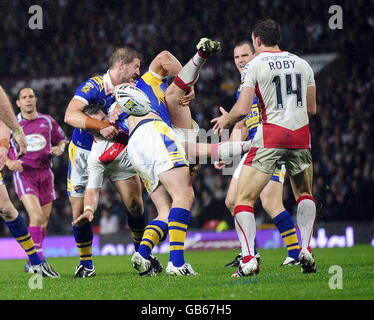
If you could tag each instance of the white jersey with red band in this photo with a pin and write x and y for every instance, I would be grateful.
(281, 80)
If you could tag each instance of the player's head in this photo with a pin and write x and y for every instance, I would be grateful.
(266, 33)
(243, 53)
(125, 61)
(94, 110)
(26, 100)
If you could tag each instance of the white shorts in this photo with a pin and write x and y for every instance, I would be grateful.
(108, 159)
(77, 171)
(153, 149)
(189, 135)
(277, 176)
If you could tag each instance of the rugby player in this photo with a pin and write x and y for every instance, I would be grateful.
(271, 196)
(124, 65)
(285, 87)
(160, 159)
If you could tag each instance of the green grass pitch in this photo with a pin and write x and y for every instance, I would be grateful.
(116, 280)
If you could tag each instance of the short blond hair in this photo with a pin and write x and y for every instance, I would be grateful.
(126, 54)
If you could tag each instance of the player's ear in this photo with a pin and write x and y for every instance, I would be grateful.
(18, 103)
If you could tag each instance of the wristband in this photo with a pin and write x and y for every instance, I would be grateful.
(95, 124)
(62, 148)
(88, 208)
(4, 143)
(18, 131)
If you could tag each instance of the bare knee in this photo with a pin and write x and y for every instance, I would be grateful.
(7, 211)
(135, 207)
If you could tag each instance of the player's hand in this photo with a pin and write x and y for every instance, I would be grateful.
(219, 165)
(3, 157)
(109, 133)
(21, 143)
(14, 165)
(114, 115)
(185, 101)
(83, 218)
(221, 122)
(56, 151)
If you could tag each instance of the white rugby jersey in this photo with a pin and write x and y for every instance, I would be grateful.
(281, 80)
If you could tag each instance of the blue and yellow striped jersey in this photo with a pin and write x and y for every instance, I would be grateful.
(95, 90)
(252, 120)
(154, 87)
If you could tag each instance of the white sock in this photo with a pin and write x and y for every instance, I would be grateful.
(245, 226)
(190, 72)
(305, 216)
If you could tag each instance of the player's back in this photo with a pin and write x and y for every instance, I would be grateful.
(154, 87)
(281, 80)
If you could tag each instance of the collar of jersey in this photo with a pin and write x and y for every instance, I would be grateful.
(108, 85)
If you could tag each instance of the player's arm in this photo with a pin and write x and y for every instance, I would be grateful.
(4, 144)
(239, 132)
(14, 165)
(92, 194)
(75, 117)
(9, 118)
(311, 100)
(238, 112)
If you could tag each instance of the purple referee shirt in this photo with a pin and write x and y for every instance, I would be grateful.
(42, 133)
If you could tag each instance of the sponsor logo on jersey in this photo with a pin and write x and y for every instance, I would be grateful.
(35, 142)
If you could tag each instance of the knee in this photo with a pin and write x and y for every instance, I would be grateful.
(7, 211)
(135, 207)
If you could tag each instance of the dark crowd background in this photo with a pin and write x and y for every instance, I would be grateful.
(78, 37)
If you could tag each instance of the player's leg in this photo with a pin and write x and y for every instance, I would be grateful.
(155, 232)
(272, 201)
(177, 182)
(77, 180)
(186, 78)
(18, 229)
(131, 193)
(230, 204)
(250, 184)
(301, 177)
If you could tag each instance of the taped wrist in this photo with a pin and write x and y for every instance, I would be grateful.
(95, 124)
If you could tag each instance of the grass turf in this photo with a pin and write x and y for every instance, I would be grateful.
(116, 280)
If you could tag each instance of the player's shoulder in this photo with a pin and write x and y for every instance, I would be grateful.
(95, 83)
(300, 60)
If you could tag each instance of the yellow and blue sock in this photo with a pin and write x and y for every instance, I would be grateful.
(83, 238)
(179, 219)
(137, 225)
(154, 232)
(19, 231)
(287, 229)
